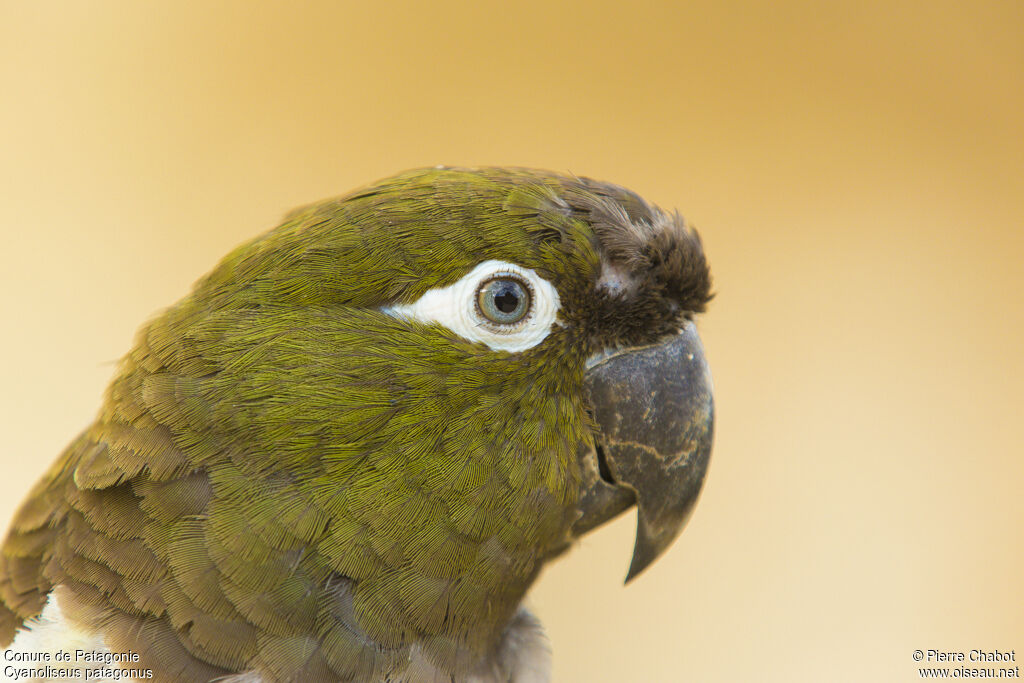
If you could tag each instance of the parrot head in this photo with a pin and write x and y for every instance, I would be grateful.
(347, 454)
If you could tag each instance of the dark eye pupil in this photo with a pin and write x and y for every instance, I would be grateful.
(506, 300)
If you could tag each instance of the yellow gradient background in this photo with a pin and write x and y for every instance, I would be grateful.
(856, 170)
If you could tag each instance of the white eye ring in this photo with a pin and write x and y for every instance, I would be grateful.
(456, 307)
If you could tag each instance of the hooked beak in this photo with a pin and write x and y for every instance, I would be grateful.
(654, 409)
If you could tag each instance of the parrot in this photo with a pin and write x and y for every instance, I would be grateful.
(349, 451)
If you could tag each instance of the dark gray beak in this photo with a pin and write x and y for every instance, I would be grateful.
(654, 408)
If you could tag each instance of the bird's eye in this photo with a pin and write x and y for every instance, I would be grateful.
(504, 299)
(497, 303)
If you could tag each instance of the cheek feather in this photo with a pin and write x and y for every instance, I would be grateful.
(455, 307)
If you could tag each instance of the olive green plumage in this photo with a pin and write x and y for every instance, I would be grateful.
(285, 478)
